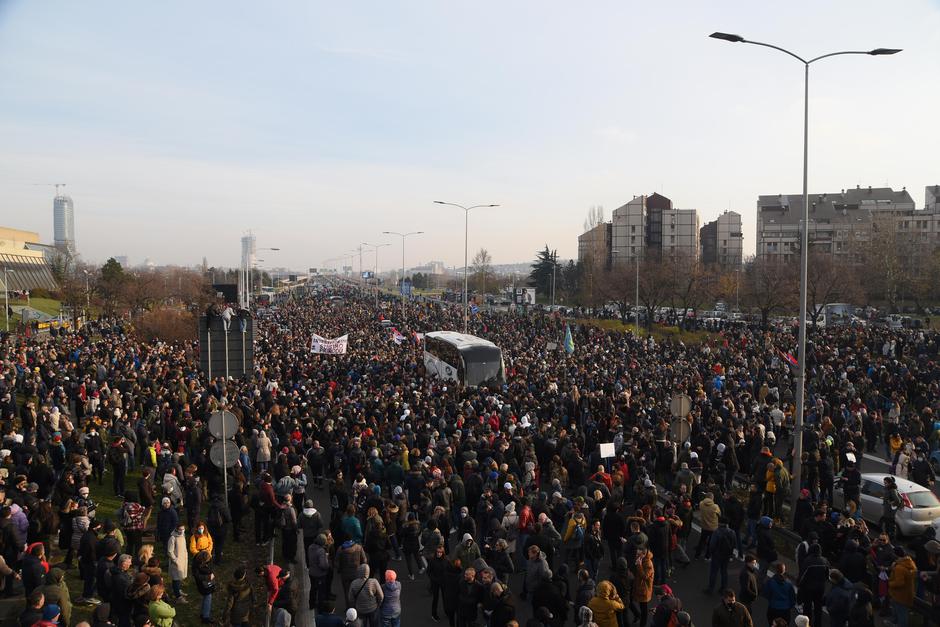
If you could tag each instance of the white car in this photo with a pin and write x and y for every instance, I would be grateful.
(919, 506)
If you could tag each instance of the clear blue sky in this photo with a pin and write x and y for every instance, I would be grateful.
(180, 125)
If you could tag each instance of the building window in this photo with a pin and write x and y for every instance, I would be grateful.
(633, 229)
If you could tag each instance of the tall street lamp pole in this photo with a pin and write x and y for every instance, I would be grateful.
(375, 272)
(466, 240)
(804, 242)
(402, 285)
(248, 272)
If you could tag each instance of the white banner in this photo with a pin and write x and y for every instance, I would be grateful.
(336, 346)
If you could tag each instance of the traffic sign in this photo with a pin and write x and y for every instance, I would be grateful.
(224, 453)
(680, 406)
(223, 424)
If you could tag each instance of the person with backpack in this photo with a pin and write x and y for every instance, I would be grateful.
(574, 537)
(721, 546)
(782, 485)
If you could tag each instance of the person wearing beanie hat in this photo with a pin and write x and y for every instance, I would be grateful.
(352, 618)
(391, 603)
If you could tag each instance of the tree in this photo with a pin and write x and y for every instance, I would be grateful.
(657, 282)
(482, 262)
(617, 286)
(689, 284)
(828, 281)
(141, 291)
(768, 286)
(111, 284)
(595, 216)
(570, 277)
(542, 269)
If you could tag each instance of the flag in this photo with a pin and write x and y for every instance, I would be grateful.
(397, 336)
(569, 341)
(474, 309)
(790, 359)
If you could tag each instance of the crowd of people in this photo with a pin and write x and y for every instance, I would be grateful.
(492, 504)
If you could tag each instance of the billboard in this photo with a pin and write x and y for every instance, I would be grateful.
(368, 274)
(406, 287)
(226, 291)
(525, 296)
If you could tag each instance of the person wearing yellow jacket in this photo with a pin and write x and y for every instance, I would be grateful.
(201, 540)
(606, 604)
(901, 587)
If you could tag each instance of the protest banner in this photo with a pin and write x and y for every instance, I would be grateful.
(336, 346)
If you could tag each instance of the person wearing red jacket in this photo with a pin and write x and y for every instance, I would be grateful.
(274, 578)
(526, 528)
(270, 506)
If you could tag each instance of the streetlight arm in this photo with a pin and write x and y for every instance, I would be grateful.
(835, 54)
(783, 50)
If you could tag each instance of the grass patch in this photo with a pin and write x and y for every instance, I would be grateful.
(235, 554)
(660, 333)
(45, 305)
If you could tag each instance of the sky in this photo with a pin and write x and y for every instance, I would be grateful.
(179, 126)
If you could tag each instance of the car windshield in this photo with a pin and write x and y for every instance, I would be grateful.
(923, 499)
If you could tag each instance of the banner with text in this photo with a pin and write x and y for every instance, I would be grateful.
(336, 346)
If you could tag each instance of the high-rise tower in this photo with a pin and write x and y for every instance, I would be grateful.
(63, 214)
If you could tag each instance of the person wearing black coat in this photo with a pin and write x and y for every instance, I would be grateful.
(613, 528)
(550, 594)
(88, 559)
(733, 511)
(450, 590)
(853, 563)
(812, 583)
(33, 571)
(749, 588)
(205, 583)
(468, 598)
(504, 609)
(121, 605)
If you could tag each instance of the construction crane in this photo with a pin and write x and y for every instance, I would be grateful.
(56, 185)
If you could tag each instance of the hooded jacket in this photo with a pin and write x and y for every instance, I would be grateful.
(903, 581)
(241, 599)
(179, 558)
(605, 605)
(643, 581)
(709, 513)
(318, 562)
(365, 593)
(536, 571)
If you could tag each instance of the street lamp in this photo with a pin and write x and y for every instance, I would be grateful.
(402, 287)
(6, 298)
(375, 272)
(804, 240)
(466, 239)
(248, 272)
(87, 296)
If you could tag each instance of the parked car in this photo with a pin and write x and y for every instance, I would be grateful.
(919, 508)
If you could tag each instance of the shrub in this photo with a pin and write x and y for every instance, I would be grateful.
(167, 324)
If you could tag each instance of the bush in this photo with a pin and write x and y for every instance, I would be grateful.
(167, 324)
(39, 292)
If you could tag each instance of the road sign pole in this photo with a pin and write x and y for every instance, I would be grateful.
(225, 458)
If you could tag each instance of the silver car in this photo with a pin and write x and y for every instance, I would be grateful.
(919, 506)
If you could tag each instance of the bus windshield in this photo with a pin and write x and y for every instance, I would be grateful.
(482, 365)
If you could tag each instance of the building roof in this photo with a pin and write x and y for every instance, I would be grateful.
(788, 208)
(26, 272)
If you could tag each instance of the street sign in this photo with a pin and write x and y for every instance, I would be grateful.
(223, 424)
(224, 453)
(680, 406)
(680, 429)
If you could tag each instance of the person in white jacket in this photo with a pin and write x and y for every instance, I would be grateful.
(179, 559)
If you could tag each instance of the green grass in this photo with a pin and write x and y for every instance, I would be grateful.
(660, 333)
(45, 305)
(187, 613)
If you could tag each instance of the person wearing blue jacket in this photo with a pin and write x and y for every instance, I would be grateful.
(780, 593)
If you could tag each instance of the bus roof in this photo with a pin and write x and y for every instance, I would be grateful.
(459, 340)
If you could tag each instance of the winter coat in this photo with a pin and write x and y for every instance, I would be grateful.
(839, 599)
(780, 593)
(199, 542)
(903, 581)
(737, 616)
(605, 605)
(643, 581)
(391, 604)
(815, 574)
(536, 570)
(57, 592)
(162, 613)
(178, 556)
(318, 562)
(349, 559)
(709, 513)
(167, 520)
(241, 599)
(749, 589)
(365, 592)
(263, 443)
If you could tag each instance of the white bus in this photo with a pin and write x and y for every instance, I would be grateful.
(466, 359)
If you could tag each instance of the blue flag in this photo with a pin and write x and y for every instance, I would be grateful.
(569, 341)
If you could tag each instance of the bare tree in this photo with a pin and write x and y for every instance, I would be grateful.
(827, 281)
(617, 286)
(595, 216)
(768, 287)
(689, 283)
(482, 262)
(657, 282)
